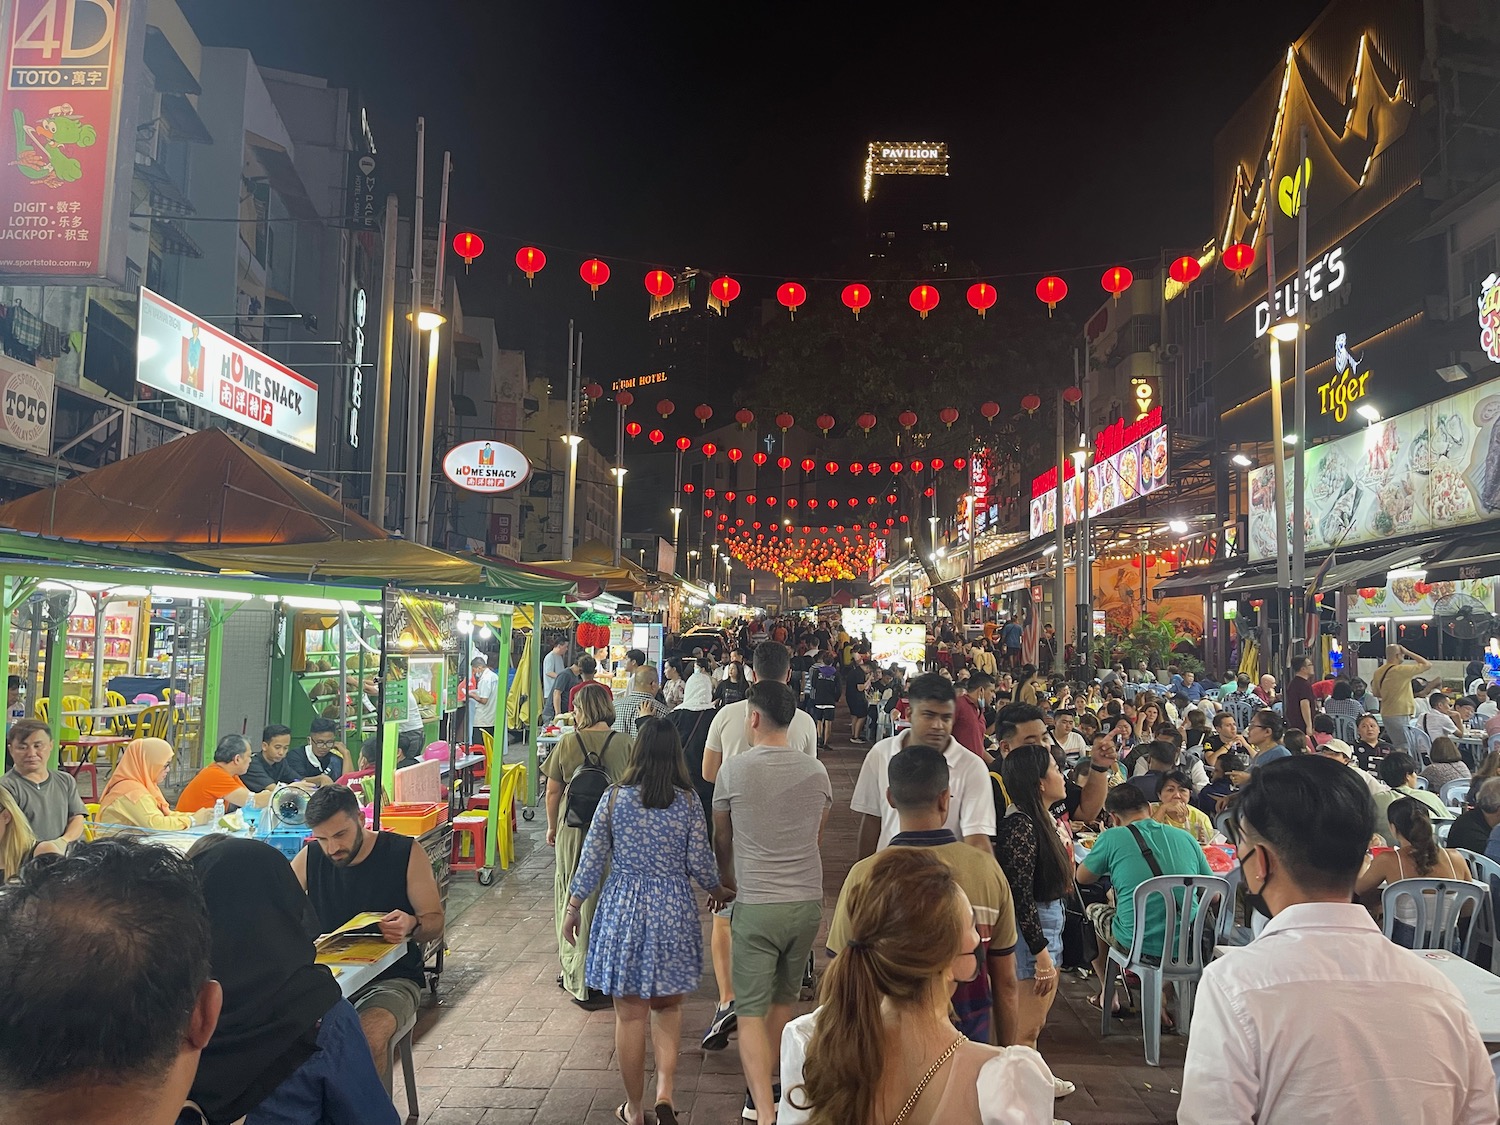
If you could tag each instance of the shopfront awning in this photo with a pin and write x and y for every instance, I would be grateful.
(1195, 580)
(1370, 568)
(1249, 579)
(1019, 555)
(385, 560)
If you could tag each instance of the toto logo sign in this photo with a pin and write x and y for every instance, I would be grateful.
(486, 466)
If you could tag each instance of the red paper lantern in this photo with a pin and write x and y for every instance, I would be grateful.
(874, 467)
(530, 260)
(830, 467)
(1135, 561)
(856, 468)
(684, 444)
(1116, 280)
(729, 497)
(593, 390)
(1150, 561)
(759, 458)
(907, 418)
(785, 421)
(771, 501)
(924, 298)
(1031, 403)
(833, 503)
(792, 296)
(744, 417)
(990, 410)
(981, 297)
(959, 462)
(624, 398)
(1185, 270)
(897, 466)
(595, 272)
(659, 283)
(750, 498)
(725, 289)
(865, 422)
(813, 503)
(808, 464)
(688, 486)
(468, 246)
(1051, 290)
(928, 491)
(783, 462)
(633, 429)
(735, 455)
(825, 423)
(856, 297)
(949, 415)
(890, 498)
(657, 437)
(710, 493)
(791, 502)
(1239, 256)
(1072, 396)
(937, 463)
(709, 449)
(916, 466)
(703, 412)
(665, 408)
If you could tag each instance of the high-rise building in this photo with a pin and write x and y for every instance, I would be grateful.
(905, 204)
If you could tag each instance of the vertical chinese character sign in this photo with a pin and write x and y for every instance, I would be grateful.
(62, 211)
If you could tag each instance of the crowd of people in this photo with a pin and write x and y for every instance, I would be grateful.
(1033, 806)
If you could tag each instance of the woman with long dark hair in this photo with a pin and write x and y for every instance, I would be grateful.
(646, 945)
(1029, 846)
(882, 1046)
(1418, 855)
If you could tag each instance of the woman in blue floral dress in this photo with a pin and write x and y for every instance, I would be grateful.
(646, 942)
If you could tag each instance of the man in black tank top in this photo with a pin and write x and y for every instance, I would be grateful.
(351, 871)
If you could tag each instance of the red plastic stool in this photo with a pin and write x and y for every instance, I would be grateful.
(468, 829)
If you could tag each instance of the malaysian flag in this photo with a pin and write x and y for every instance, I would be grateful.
(1031, 630)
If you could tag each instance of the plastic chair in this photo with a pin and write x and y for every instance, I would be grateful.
(1484, 870)
(119, 724)
(400, 1044)
(152, 722)
(1419, 744)
(1241, 711)
(1440, 906)
(1440, 830)
(1345, 727)
(1181, 963)
(82, 723)
(39, 709)
(1453, 792)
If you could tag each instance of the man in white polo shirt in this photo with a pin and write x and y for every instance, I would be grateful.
(971, 807)
(727, 739)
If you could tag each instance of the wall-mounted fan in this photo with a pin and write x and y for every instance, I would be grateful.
(1464, 617)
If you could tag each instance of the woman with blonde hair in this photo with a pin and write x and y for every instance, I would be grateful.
(882, 1047)
(16, 838)
(133, 795)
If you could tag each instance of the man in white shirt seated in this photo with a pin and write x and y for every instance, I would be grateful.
(1311, 996)
(1489, 707)
(1438, 721)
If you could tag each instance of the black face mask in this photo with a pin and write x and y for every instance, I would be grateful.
(1255, 901)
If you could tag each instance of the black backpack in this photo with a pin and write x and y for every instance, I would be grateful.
(586, 788)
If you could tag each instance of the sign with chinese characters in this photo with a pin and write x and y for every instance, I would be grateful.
(357, 368)
(1130, 461)
(486, 466)
(198, 363)
(62, 202)
(1430, 469)
(26, 420)
(1489, 317)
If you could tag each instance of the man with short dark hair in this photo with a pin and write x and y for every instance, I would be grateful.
(1300, 706)
(104, 966)
(268, 766)
(48, 798)
(223, 780)
(561, 694)
(770, 805)
(1264, 735)
(350, 871)
(1438, 720)
(587, 667)
(918, 791)
(968, 715)
(971, 812)
(1311, 996)
(553, 665)
(1172, 755)
(324, 759)
(484, 697)
(1474, 828)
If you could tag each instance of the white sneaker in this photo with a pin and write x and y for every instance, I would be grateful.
(1061, 1087)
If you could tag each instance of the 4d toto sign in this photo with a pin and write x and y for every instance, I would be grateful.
(486, 466)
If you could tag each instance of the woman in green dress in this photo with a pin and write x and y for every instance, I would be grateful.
(591, 742)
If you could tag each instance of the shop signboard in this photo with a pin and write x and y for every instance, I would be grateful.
(1489, 317)
(905, 645)
(190, 359)
(1130, 461)
(1412, 596)
(28, 396)
(396, 671)
(490, 467)
(65, 83)
(859, 621)
(1430, 469)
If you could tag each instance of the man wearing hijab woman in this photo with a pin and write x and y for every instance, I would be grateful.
(289, 1049)
(133, 795)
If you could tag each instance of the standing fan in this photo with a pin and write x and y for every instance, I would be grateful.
(1464, 617)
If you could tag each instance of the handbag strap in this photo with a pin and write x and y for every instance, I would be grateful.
(1140, 838)
(928, 1077)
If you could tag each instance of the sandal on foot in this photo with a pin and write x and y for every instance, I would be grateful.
(665, 1114)
(622, 1112)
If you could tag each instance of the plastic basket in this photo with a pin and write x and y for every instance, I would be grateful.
(412, 820)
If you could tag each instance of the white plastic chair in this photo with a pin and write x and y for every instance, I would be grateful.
(1419, 744)
(1453, 792)
(1440, 905)
(1345, 727)
(1440, 830)
(1241, 711)
(1181, 963)
(1486, 930)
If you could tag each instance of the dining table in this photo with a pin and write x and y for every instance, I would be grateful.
(1479, 986)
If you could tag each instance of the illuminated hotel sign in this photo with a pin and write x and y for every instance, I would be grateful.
(637, 381)
(1130, 461)
(1324, 276)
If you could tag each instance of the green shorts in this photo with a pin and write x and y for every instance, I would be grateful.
(396, 995)
(771, 944)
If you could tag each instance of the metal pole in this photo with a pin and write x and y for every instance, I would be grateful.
(414, 355)
(572, 440)
(1059, 555)
(381, 451)
(1295, 628)
(1084, 577)
(619, 475)
(1278, 434)
(429, 402)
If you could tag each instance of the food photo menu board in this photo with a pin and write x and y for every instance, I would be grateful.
(1130, 461)
(1430, 469)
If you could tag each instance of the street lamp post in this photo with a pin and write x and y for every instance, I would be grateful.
(619, 474)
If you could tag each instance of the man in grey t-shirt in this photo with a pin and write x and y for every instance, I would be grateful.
(48, 798)
(770, 805)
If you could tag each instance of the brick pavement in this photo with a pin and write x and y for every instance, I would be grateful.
(502, 1045)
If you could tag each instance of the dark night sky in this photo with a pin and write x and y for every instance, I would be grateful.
(731, 136)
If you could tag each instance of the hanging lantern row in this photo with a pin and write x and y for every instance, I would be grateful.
(866, 421)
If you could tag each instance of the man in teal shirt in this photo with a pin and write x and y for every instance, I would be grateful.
(1118, 855)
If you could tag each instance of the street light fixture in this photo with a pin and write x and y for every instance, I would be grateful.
(1242, 461)
(1178, 527)
(1367, 412)
(1286, 329)
(427, 320)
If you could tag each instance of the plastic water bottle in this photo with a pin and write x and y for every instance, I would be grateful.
(218, 812)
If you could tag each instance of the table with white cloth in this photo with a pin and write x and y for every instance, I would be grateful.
(1480, 988)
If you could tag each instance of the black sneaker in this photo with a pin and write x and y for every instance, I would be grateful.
(724, 1021)
(749, 1113)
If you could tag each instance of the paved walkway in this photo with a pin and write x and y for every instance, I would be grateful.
(503, 1044)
